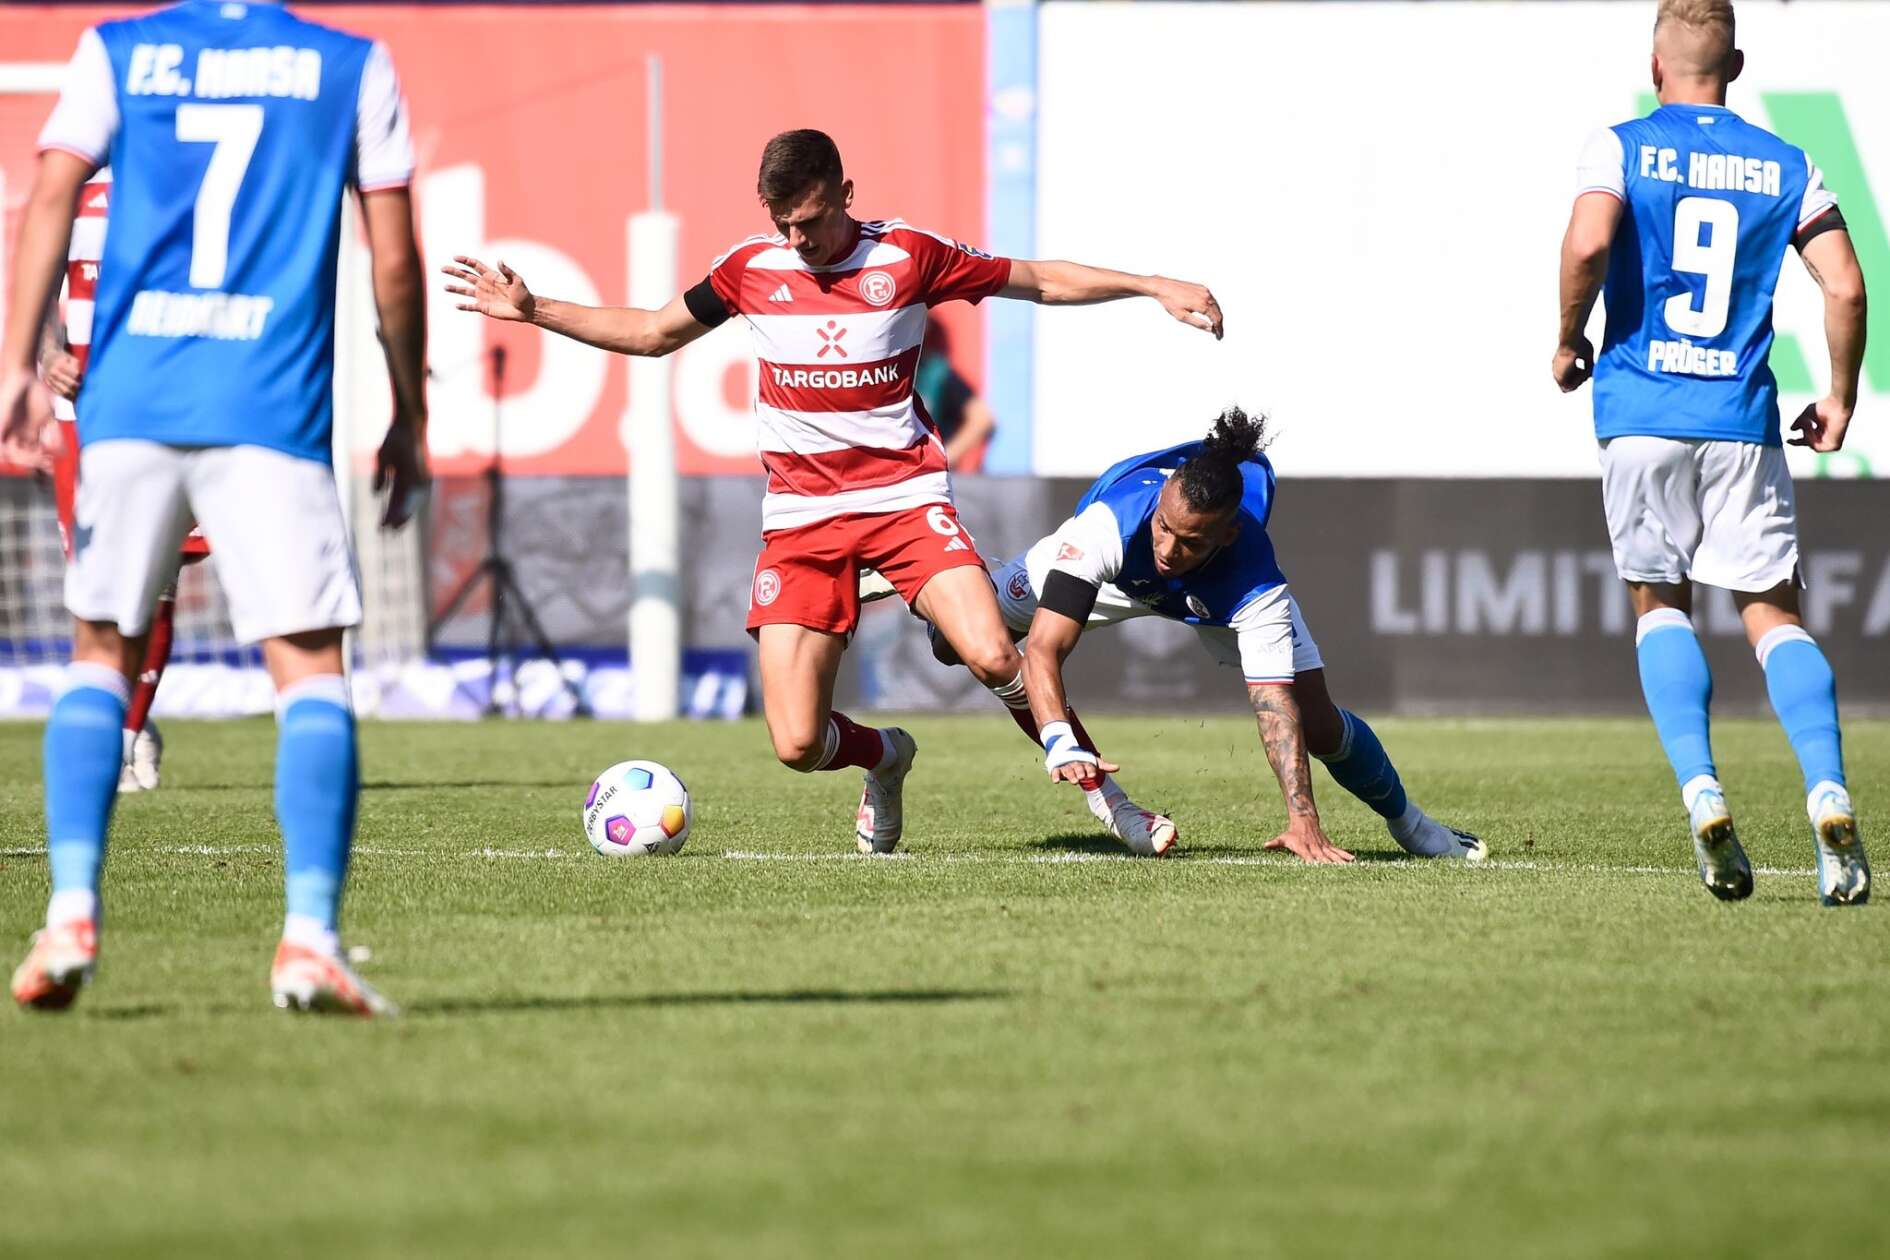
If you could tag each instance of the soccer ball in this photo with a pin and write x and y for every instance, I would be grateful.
(637, 809)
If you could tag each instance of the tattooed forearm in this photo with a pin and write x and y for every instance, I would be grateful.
(1278, 715)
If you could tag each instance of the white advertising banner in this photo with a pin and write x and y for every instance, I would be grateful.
(1377, 193)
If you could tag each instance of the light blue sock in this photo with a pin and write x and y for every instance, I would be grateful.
(1679, 690)
(84, 749)
(316, 788)
(1804, 695)
(1361, 767)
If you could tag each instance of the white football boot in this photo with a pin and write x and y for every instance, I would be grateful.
(1441, 840)
(1145, 832)
(310, 981)
(1723, 865)
(60, 963)
(1843, 870)
(1420, 835)
(140, 772)
(873, 587)
(881, 817)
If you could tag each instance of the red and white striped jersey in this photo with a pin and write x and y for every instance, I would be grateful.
(840, 429)
(82, 261)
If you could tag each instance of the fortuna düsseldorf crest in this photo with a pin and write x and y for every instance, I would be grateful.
(877, 287)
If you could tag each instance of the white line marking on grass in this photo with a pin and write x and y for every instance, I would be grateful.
(744, 855)
(999, 859)
(1068, 859)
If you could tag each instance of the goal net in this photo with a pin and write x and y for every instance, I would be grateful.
(211, 674)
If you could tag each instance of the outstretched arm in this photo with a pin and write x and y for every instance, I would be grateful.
(499, 293)
(1278, 715)
(1585, 245)
(1073, 284)
(1053, 636)
(1832, 262)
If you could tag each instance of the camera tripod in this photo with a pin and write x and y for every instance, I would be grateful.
(508, 597)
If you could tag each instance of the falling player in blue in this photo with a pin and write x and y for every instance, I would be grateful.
(1181, 533)
(233, 131)
(1688, 214)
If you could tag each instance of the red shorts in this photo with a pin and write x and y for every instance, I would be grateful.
(66, 496)
(810, 576)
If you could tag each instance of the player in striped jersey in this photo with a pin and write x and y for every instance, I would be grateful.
(856, 474)
(66, 345)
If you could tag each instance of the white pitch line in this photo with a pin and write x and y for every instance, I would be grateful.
(744, 855)
(1068, 859)
(1006, 859)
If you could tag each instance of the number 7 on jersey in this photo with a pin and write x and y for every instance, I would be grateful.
(234, 129)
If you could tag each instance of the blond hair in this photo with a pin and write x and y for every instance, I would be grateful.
(1704, 38)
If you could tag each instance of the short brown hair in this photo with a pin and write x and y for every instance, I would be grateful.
(794, 162)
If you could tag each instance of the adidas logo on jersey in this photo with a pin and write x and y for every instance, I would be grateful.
(957, 544)
(781, 295)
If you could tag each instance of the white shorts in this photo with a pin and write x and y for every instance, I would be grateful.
(1717, 512)
(1020, 583)
(274, 522)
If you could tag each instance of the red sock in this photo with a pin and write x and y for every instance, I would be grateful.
(156, 656)
(1026, 722)
(1017, 703)
(855, 745)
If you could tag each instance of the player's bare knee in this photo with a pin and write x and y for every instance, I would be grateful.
(799, 750)
(1762, 612)
(100, 643)
(994, 663)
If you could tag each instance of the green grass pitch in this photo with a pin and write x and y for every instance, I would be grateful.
(1008, 1042)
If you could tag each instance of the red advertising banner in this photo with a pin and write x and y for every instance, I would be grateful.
(530, 123)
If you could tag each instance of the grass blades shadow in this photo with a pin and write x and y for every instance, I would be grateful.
(1090, 842)
(735, 997)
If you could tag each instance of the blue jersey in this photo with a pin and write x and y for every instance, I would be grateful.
(1218, 591)
(1710, 204)
(232, 134)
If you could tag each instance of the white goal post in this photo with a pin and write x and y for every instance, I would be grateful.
(653, 484)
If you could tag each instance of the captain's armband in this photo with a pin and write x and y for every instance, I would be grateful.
(1069, 595)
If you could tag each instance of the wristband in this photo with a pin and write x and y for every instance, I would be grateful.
(1060, 746)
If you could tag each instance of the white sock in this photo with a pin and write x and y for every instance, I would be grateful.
(829, 745)
(887, 757)
(1012, 693)
(131, 740)
(301, 929)
(71, 905)
(1107, 794)
(1691, 789)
